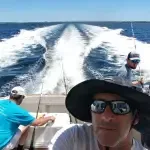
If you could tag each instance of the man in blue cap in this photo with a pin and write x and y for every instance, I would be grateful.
(126, 71)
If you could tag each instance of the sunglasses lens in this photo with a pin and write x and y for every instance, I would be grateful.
(98, 106)
(136, 61)
(120, 107)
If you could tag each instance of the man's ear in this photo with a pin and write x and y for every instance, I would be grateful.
(136, 119)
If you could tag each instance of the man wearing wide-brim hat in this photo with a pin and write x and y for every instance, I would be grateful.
(113, 109)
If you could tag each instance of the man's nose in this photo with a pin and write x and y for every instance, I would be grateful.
(107, 115)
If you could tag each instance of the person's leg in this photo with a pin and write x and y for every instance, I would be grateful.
(14, 141)
(19, 138)
(24, 134)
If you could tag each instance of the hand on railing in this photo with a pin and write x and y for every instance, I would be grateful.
(51, 118)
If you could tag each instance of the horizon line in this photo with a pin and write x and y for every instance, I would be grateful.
(65, 21)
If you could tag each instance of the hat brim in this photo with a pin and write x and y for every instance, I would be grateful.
(135, 58)
(80, 98)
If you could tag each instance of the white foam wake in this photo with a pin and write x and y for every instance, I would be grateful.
(118, 45)
(11, 48)
(67, 62)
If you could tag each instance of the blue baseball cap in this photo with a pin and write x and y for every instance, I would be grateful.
(133, 56)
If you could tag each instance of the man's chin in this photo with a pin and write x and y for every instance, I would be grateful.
(132, 67)
(109, 142)
(108, 137)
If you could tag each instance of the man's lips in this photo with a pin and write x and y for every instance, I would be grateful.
(106, 128)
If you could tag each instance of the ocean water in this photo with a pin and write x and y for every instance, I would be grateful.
(41, 56)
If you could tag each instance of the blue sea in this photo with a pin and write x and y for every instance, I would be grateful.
(41, 56)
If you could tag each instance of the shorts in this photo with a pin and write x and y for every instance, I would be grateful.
(14, 141)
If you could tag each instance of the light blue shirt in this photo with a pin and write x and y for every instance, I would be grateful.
(11, 116)
(81, 137)
(126, 73)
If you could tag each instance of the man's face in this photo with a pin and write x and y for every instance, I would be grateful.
(20, 99)
(109, 128)
(133, 64)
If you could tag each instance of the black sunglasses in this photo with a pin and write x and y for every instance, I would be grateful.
(119, 107)
(135, 61)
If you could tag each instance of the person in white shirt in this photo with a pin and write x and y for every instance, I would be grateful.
(127, 70)
(112, 109)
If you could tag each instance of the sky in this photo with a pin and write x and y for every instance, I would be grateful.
(74, 10)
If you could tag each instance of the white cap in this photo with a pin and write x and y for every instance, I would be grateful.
(18, 90)
(133, 55)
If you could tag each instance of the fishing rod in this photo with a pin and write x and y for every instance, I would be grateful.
(65, 86)
(133, 35)
(33, 134)
(64, 79)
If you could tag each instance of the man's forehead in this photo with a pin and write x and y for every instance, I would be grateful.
(108, 96)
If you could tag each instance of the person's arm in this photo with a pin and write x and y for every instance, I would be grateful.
(134, 83)
(42, 120)
(140, 82)
(22, 117)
